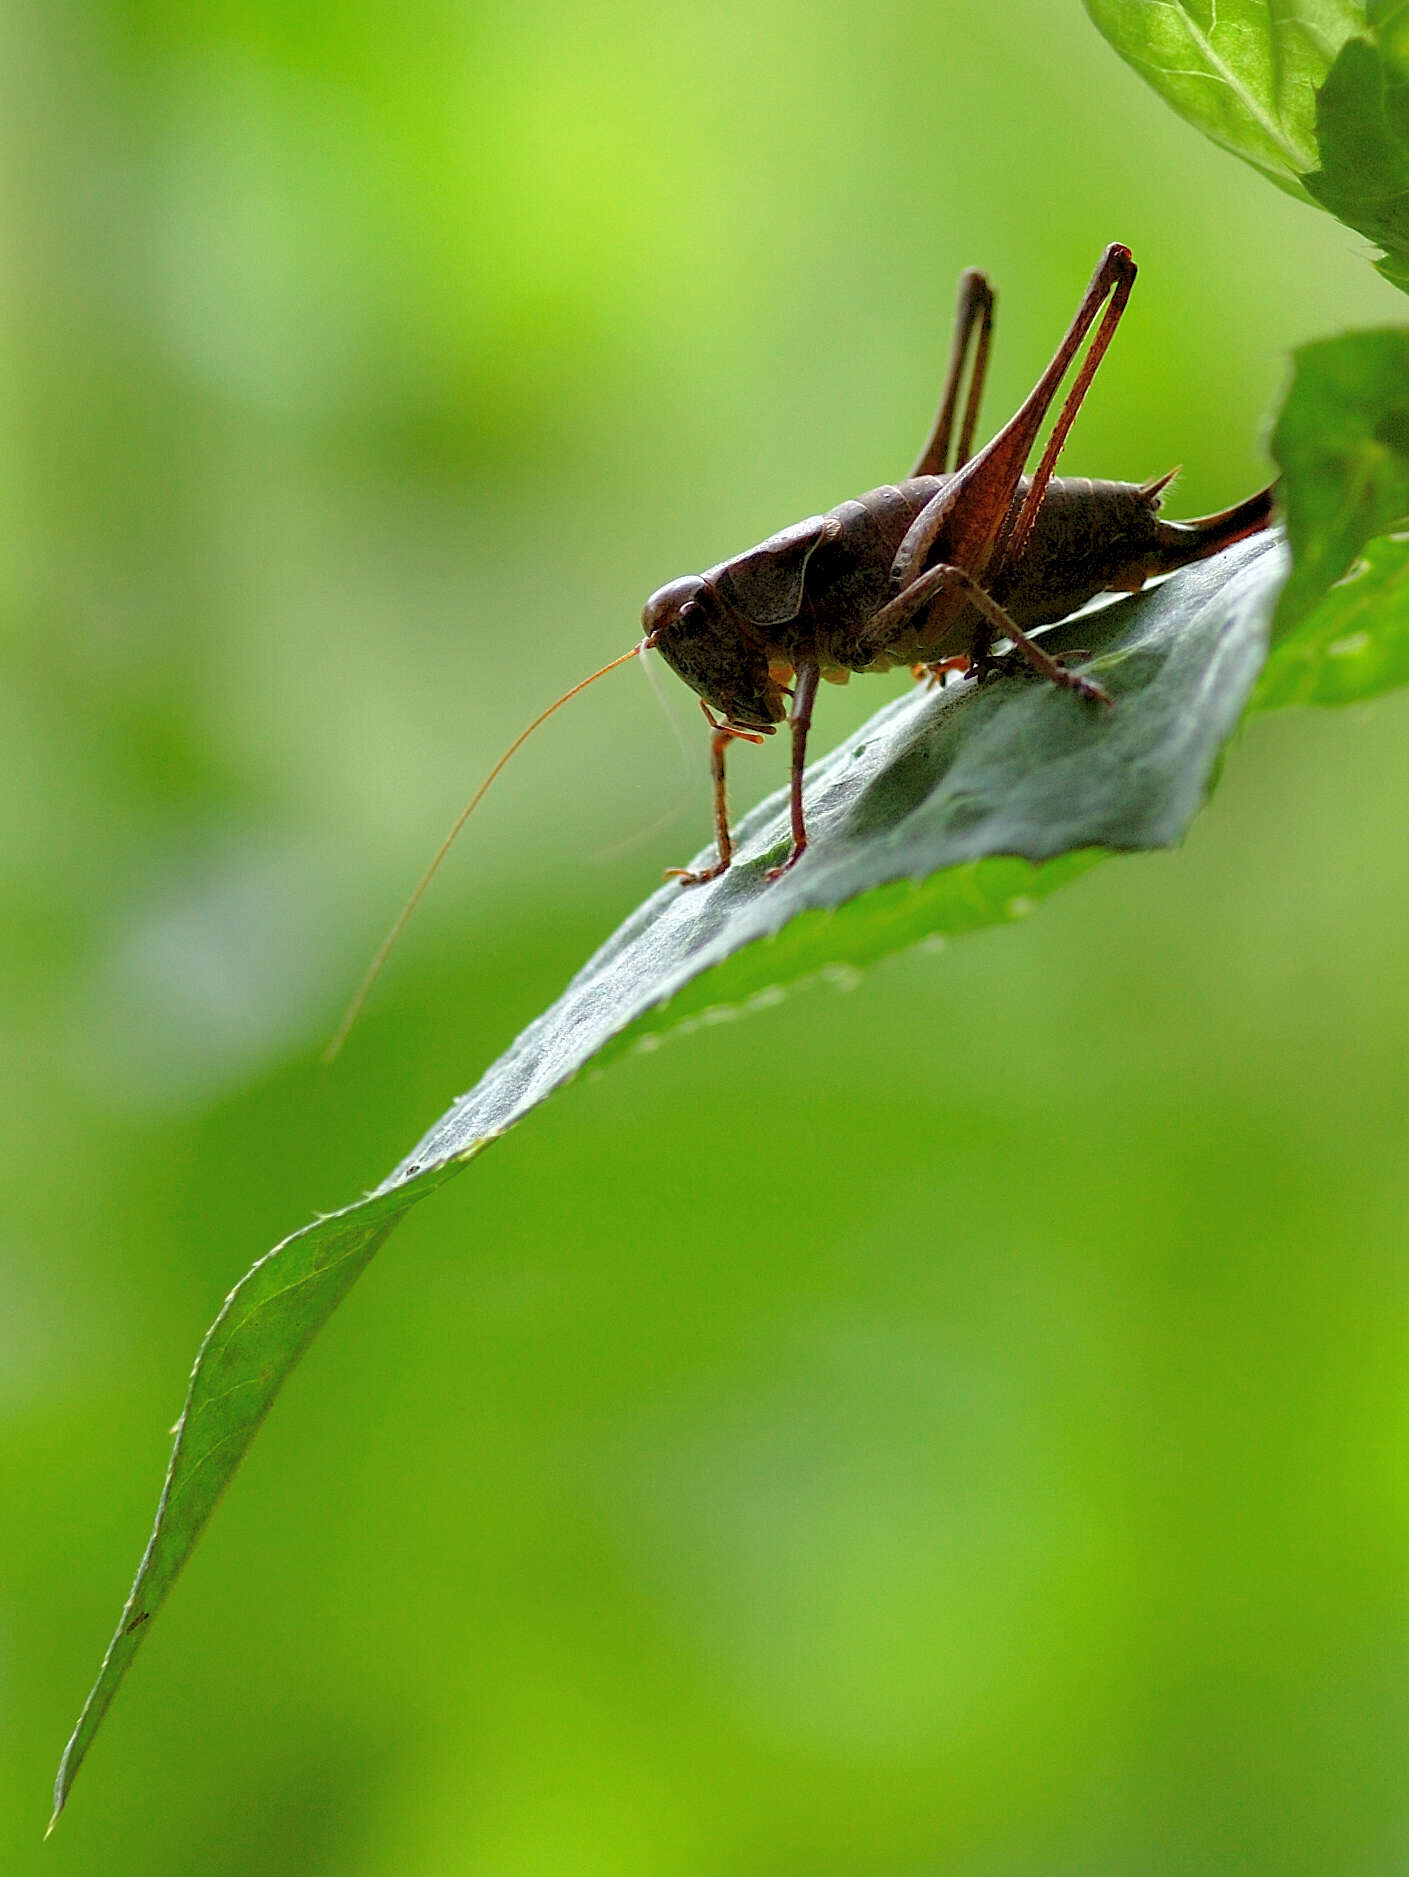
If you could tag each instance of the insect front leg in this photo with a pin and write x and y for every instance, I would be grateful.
(721, 737)
(974, 313)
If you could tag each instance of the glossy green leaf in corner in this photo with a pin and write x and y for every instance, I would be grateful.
(1245, 72)
(948, 811)
(1362, 137)
(1342, 439)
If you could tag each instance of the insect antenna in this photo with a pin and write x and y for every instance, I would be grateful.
(602, 855)
(398, 925)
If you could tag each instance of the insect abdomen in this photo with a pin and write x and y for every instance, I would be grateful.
(1100, 537)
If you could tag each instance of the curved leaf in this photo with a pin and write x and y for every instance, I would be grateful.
(1245, 72)
(265, 1325)
(949, 810)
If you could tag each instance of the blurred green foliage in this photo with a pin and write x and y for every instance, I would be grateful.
(951, 1428)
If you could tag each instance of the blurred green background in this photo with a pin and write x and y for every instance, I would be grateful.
(956, 1428)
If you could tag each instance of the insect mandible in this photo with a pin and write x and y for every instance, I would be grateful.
(932, 573)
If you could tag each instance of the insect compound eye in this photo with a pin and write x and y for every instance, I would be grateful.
(665, 607)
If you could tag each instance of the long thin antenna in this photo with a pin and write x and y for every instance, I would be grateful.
(383, 951)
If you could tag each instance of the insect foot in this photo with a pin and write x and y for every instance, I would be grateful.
(1084, 687)
(1087, 687)
(686, 878)
(776, 873)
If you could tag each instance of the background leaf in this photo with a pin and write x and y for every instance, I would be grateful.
(1315, 97)
(1355, 644)
(1342, 439)
(1245, 72)
(1362, 136)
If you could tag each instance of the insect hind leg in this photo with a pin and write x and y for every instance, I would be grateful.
(973, 322)
(907, 606)
(973, 512)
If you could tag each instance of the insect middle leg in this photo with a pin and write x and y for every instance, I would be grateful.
(800, 720)
(900, 612)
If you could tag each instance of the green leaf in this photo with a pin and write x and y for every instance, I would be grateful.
(1245, 72)
(950, 810)
(1313, 93)
(1355, 644)
(265, 1325)
(1362, 136)
(1342, 440)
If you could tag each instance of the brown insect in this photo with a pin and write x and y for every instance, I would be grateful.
(931, 572)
